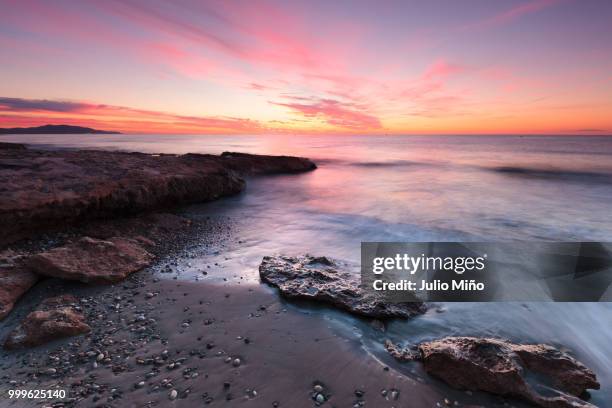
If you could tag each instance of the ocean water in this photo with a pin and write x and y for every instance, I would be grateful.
(415, 188)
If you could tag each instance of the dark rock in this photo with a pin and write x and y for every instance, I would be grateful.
(15, 280)
(55, 318)
(537, 373)
(91, 260)
(260, 164)
(324, 280)
(48, 189)
(13, 146)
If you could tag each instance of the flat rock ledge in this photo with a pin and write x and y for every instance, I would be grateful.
(325, 280)
(91, 260)
(54, 319)
(504, 368)
(42, 190)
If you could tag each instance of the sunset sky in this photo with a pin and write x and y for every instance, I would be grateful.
(384, 67)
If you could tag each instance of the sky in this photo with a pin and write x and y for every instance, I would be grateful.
(301, 67)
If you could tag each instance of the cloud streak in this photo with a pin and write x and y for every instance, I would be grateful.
(34, 112)
(333, 112)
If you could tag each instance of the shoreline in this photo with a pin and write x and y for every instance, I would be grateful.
(205, 327)
(273, 339)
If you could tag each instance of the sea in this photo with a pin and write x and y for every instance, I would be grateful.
(413, 189)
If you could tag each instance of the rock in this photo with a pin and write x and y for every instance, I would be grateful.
(55, 318)
(12, 146)
(324, 280)
(401, 354)
(505, 368)
(48, 189)
(91, 260)
(173, 394)
(15, 280)
(251, 164)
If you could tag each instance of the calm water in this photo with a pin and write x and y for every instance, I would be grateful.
(417, 189)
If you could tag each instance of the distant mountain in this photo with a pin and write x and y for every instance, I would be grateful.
(53, 129)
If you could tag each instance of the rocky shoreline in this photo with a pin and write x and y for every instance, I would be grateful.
(76, 220)
(42, 190)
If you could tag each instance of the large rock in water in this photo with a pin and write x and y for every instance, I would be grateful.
(324, 280)
(92, 260)
(15, 280)
(49, 189)
(55, 318)
(262, 164)
(538, 373)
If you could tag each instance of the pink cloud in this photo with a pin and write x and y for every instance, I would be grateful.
(441, 69)
(333, 112)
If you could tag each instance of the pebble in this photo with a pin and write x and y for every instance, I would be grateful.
(140, 384)
(318, 388)
(236, 362)
(320, 398)
(173, 394)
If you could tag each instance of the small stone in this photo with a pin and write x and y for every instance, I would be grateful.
(236, 362)
(140, 384)
(320, 398)
(173, 394)
(318, 388)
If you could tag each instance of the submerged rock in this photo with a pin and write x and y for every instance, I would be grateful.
(322, 279)
(55, 318)
(15, 280)
(537, 373)
(92, 260)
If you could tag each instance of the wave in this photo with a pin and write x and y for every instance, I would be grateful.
(373, 164)
(555, 174)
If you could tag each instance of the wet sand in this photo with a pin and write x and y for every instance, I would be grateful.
(153, 334)
(283, 352)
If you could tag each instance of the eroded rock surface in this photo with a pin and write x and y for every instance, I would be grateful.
(49, 189)
(325, 280)
(15, 280)
(54, 319)
(91, 260)
(505, 368)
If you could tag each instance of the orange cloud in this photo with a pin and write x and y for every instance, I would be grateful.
(35, 112)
